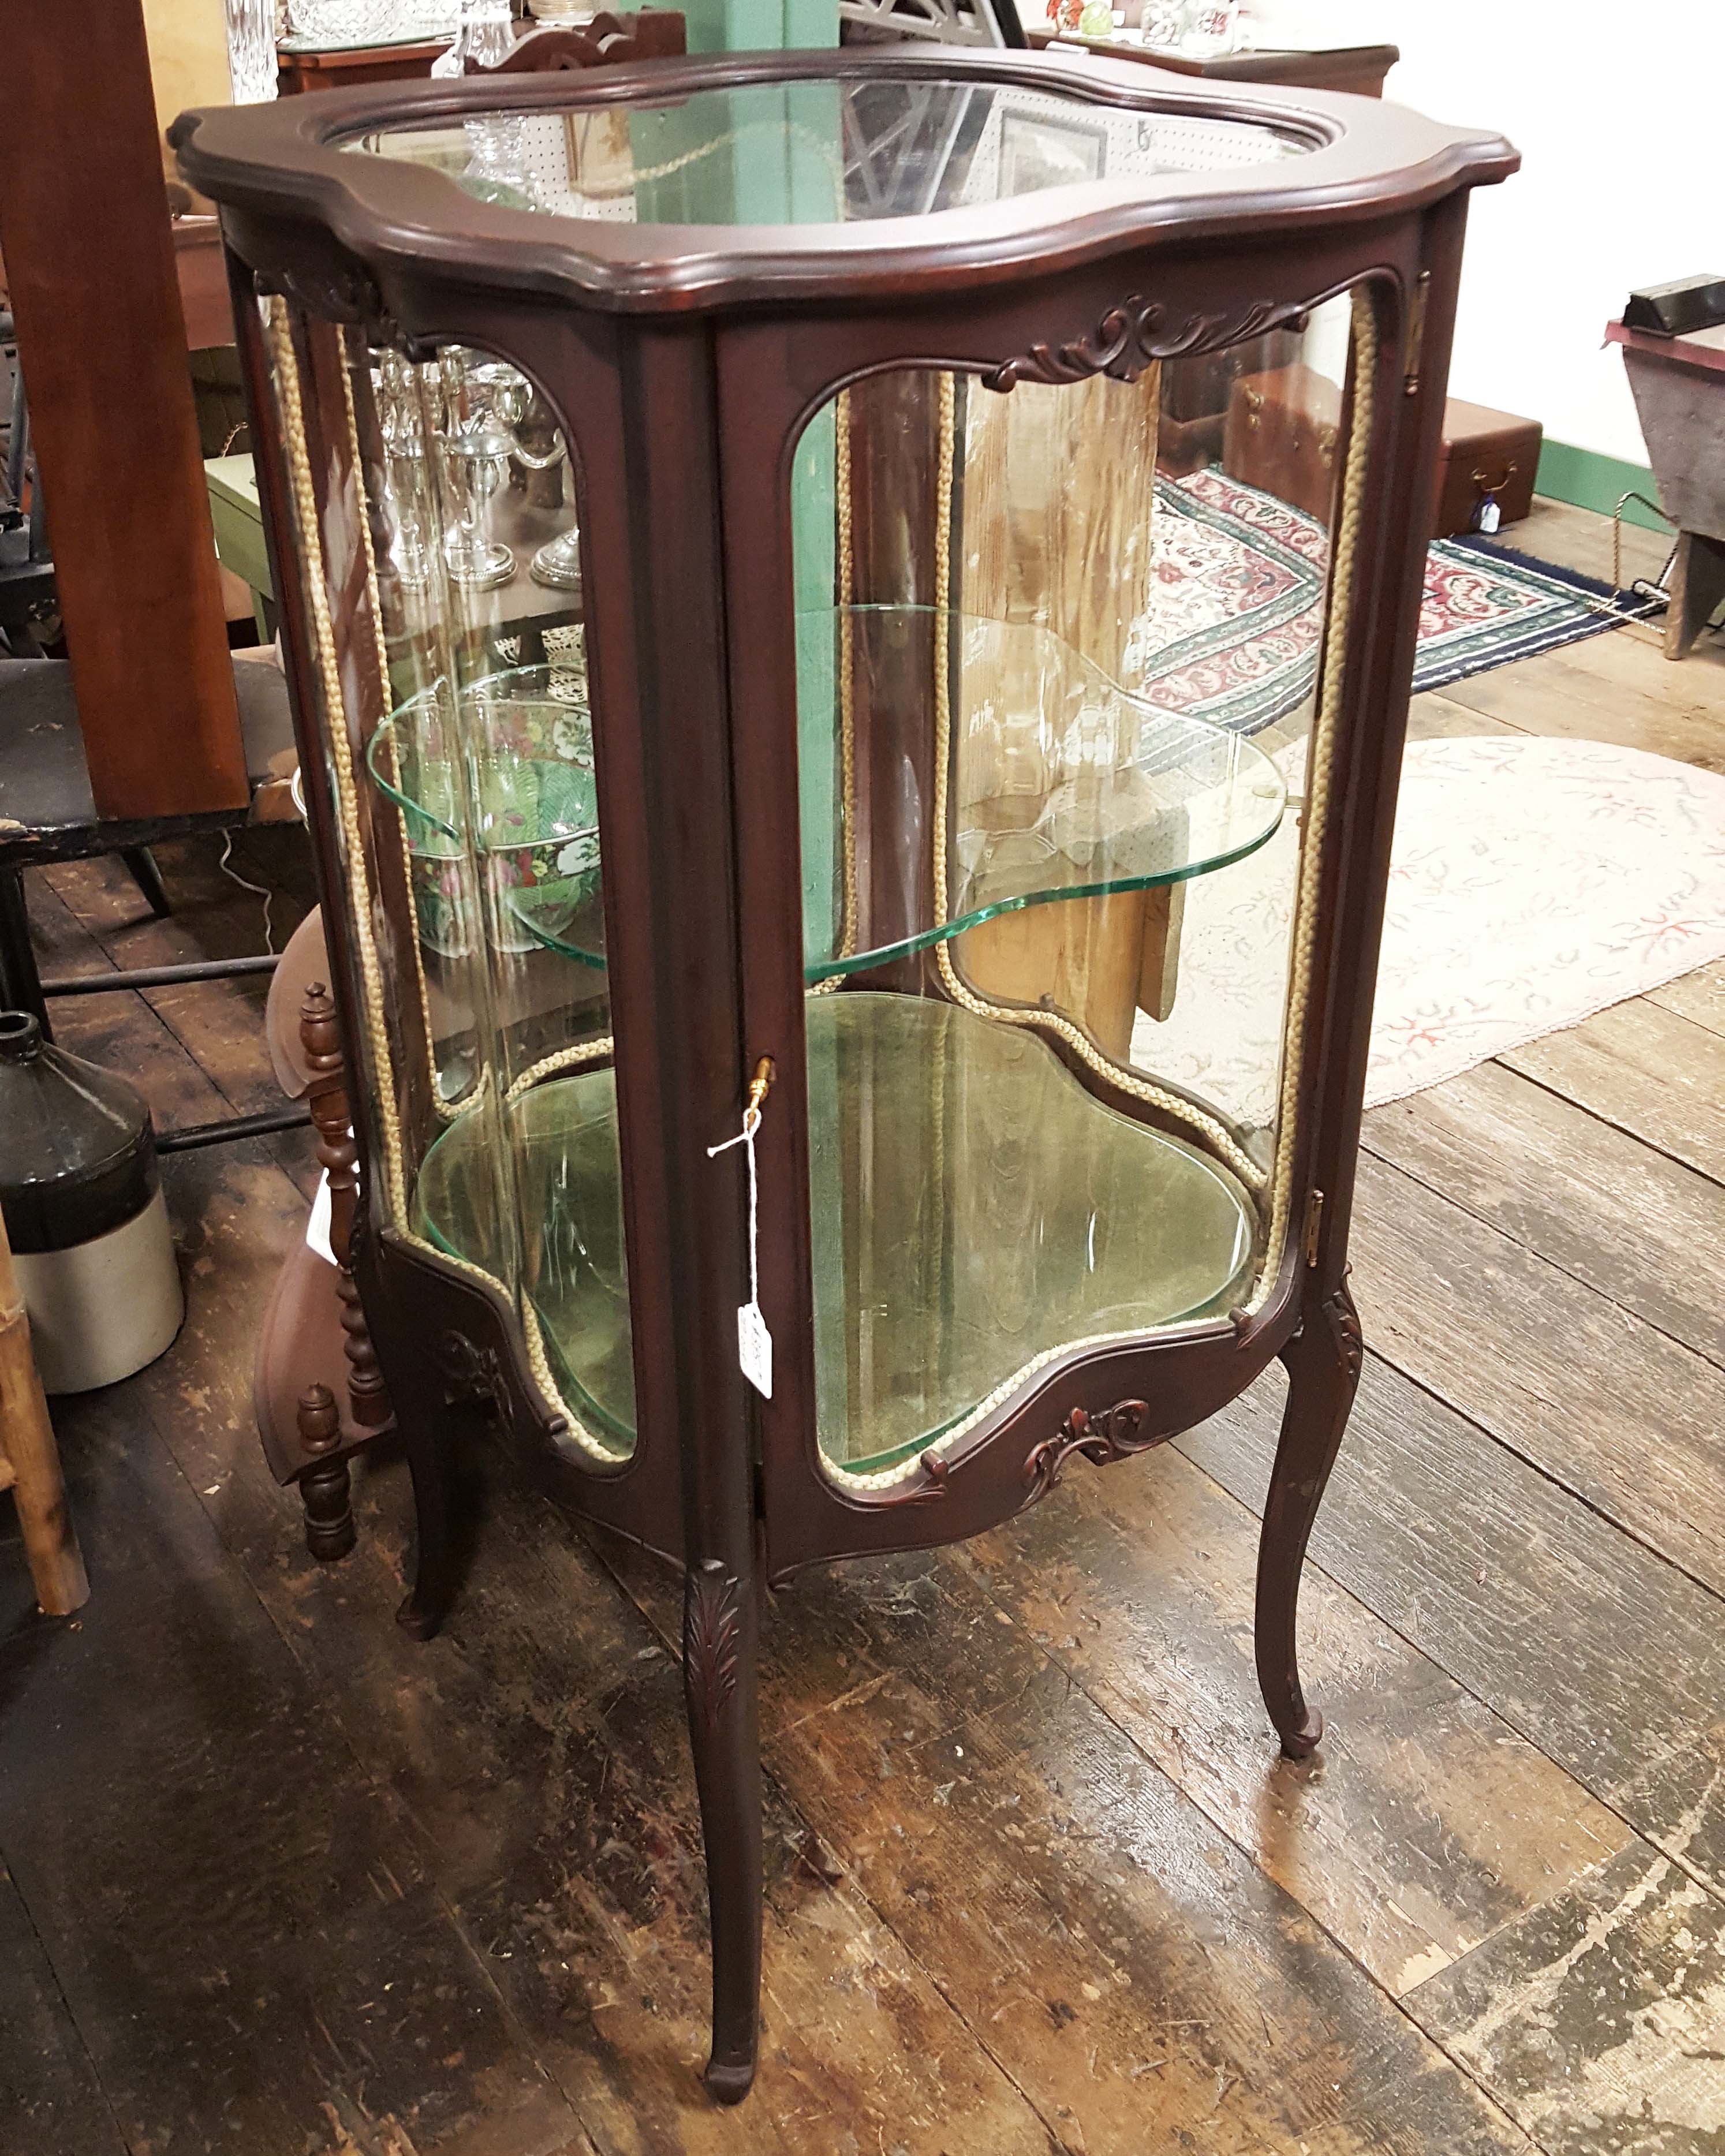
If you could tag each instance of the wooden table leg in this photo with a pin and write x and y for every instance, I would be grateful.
(1698, 585)
(30, 1460)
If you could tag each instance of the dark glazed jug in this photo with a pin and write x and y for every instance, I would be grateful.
(82, 1199)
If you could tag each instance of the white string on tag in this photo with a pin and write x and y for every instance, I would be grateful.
(754, 1342)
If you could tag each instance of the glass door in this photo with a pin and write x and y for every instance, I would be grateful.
(1063, 733)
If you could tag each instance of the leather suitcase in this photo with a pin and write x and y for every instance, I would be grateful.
(1196, 393)
(1281, 436)
(1487, 457)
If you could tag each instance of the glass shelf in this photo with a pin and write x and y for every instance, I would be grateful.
(1064, 786)
(533, 804)
(975, 1208)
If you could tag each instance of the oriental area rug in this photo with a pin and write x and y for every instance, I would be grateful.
(1532, 882)
(1238, 605)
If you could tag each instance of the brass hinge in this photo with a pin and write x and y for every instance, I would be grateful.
(1416, 332)
(1314, 1221)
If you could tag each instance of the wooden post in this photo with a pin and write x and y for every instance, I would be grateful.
(338, 1155)
(30, 1460)
(84, 227)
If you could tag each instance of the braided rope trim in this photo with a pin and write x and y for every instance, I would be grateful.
(360, 897)
(847, 716)
(561, 1059)
(313, 575)
(1321, 775)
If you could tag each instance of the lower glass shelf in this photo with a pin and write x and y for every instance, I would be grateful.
(973, 1209)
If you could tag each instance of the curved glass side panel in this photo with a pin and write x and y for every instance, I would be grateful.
(1063, 755)
(439, 565)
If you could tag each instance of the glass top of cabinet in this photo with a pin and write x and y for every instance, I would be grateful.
(828, 150)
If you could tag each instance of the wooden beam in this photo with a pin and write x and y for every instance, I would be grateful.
(83, 226)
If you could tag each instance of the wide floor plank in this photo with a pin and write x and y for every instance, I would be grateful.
(237, 1920)
(1623, 1415)
(537, 1749)
(1600, 2019)
(1426, 1824)
(49, 2096)
(1644, 1230)
(1133, 1971)
(1699, 996)
(1569, 694)
(1593, 1648)
(1639, 1064)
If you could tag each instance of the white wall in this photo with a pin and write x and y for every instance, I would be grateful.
(1619, 111)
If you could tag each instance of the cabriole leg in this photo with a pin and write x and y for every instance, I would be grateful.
(1323, 1362)
(429, 1440)
(720, 1630)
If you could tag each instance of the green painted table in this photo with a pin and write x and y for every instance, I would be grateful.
(238, 520)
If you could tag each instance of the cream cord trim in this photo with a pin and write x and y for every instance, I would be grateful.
(562, 1059)
(341, 747)
(1321, 775)
(847, 724)
(308, 546)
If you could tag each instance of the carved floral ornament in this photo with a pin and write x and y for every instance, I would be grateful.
(1134, 334)
(1101, 1439)
(1112, 1433)
(481, 1375)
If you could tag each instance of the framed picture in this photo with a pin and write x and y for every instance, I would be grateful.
(1038, 151)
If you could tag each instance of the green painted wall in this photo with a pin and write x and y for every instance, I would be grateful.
(1592, 481)
(764, 156)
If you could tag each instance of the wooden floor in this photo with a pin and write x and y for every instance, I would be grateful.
(280, 1882)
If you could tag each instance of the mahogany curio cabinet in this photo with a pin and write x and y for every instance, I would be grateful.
(887, 738)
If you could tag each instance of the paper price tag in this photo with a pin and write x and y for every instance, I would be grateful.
(754, 1348)
(317, 1228)
(754, 1342)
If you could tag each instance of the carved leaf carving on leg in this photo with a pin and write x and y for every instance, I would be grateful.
(1344, 1321)
(713, 1638)
(1112, 1434)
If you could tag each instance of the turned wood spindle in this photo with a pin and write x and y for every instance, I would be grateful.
(324, 1487)
(326, 1095)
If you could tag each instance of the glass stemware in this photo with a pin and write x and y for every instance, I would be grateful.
(477, 445)
(251, 50)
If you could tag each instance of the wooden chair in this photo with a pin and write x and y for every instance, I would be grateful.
(652, 34)
(317, 1393)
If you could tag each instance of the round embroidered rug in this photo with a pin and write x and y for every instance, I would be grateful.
(1532, 883)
